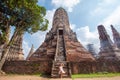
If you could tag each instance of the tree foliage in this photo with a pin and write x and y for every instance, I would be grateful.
(24, 15)
(4, 28)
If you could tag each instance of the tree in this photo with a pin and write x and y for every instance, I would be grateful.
(4, 29)
(25, 16)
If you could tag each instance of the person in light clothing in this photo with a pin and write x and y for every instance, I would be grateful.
(61, 71)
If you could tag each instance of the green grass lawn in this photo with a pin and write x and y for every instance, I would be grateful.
(95, 75)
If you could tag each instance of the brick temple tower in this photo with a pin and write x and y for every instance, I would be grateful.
(116, 36)
(91, 49)
(107, 49)
(16, 51)
(31, 52)
(61, 45)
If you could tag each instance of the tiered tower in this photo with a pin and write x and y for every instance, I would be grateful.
(16, 51)
(107, 49)
(30, 53)
(91, 49)
(116, 36)
(61, 45)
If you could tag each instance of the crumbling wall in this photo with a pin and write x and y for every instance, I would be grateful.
(45, 66)
(28, 67)
(95, 67)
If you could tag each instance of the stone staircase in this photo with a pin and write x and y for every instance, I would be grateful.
(55, 70)
(59, 58)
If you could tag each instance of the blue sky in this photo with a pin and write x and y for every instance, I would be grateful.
(84, 17)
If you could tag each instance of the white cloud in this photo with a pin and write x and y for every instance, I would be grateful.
(26, 48)
(72, 26)
(85, 36)
(113, 18)
(107, 2)
(69, 4)
(98, 11)
(49, 16)
(88, 36)
(104, 7)
(39, 36)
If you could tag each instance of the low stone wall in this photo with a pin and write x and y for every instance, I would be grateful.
(45, 66)
(27, 67)
(95, 67)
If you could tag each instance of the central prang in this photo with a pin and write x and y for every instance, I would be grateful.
(61, 45)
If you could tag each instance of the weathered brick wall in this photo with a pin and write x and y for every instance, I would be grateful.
(33, 67)
(27, 67)
(95, 67)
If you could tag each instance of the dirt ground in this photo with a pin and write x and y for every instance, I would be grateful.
(29, 77)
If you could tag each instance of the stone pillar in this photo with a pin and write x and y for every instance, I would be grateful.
(107, 48)
(116, 36)
(30, 53)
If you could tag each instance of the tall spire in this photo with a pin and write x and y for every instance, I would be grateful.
(61, 45)
(60, 20)
(30, 53)
(16, 51)
(105, 40)
(91, 49)
(73, 49)
(116, 36)
(107, 48)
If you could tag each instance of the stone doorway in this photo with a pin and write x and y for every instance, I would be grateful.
(61, 32)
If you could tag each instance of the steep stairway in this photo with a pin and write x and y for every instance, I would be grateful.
(59, 58)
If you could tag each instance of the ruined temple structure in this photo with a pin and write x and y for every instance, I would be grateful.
(116, 37)
(61, 45)
(30, 53)
(16, 51)
(91, 49)
(108, 50)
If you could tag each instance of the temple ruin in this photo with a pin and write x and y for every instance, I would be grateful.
(91, 49)
(116, 37)
(61, 45)
(30, 53)
(16, 50)
(108, 50)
